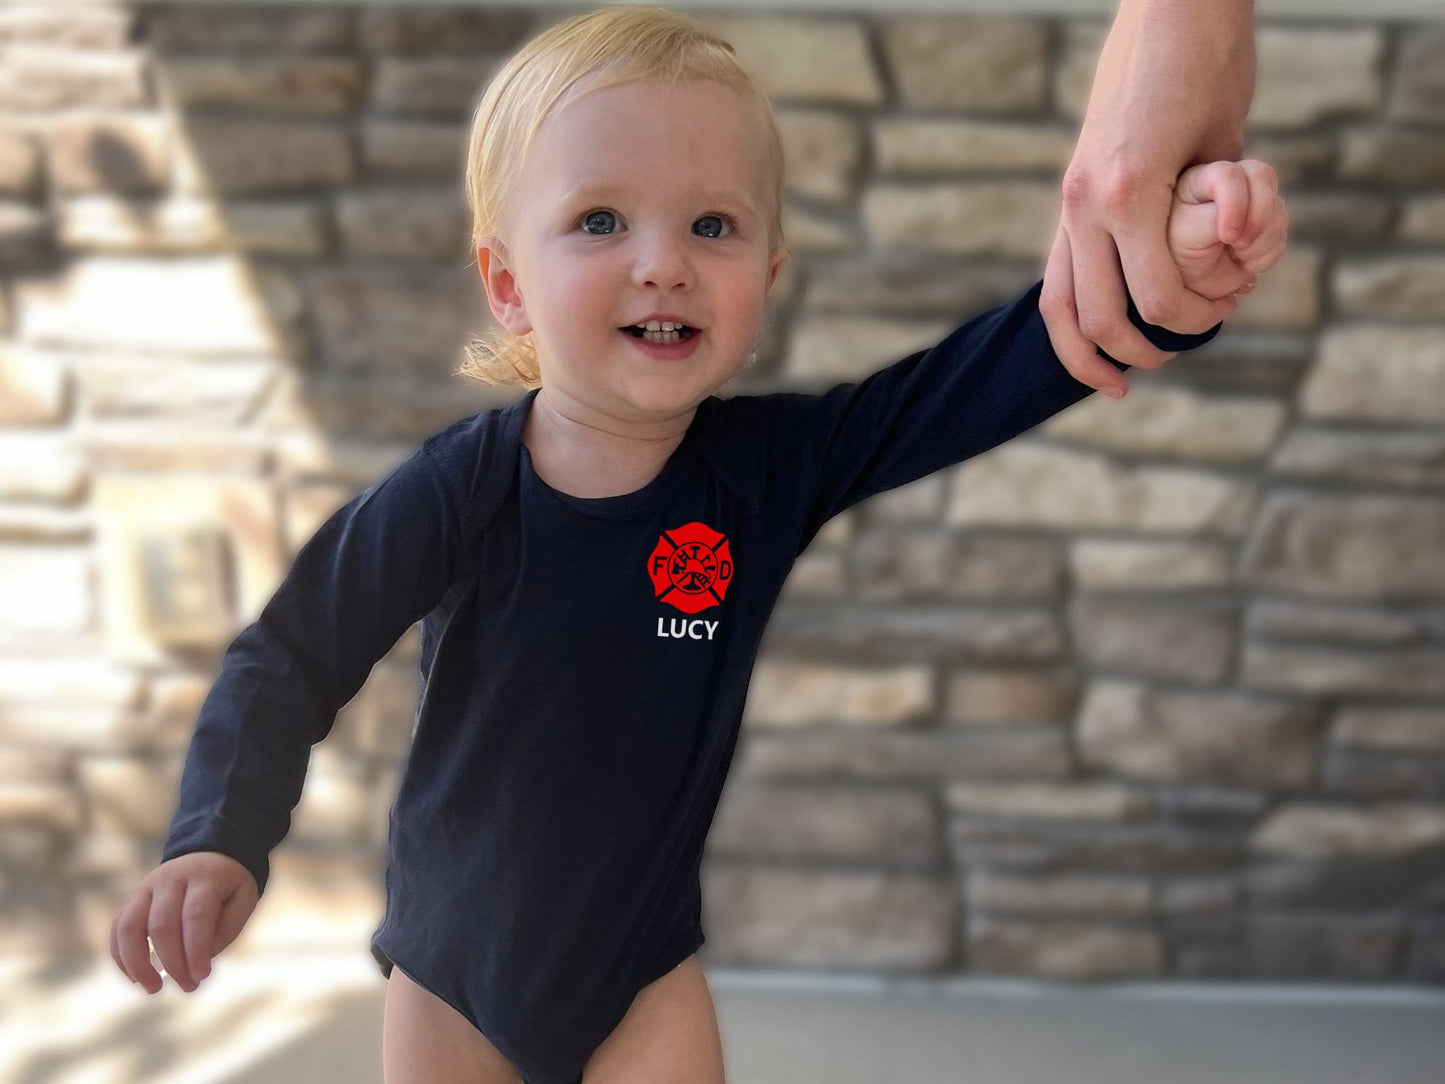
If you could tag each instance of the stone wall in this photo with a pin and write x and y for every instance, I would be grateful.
(1156, 690)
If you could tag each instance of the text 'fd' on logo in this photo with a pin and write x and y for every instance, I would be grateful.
(691, 567)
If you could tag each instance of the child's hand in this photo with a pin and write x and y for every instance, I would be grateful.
(190, 907)
(1210, 266)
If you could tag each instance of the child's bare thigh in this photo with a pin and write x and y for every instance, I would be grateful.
(426, 1041)
(669, 1034)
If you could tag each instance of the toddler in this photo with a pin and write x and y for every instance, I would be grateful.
(593, 568)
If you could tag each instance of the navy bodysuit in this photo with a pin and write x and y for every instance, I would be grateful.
(584, 665)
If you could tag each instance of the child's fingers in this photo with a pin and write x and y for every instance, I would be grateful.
(165, 931)
(128, 945)
(1265, 206)
(198, 928)
(1225, 184)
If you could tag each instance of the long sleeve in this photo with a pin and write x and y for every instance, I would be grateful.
(375, 567)
(988, 381)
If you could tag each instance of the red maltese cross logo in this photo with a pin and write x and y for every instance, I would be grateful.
(691, 567)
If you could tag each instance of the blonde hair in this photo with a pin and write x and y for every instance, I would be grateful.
(616, 45)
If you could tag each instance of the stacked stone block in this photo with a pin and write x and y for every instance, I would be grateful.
(1156, 690)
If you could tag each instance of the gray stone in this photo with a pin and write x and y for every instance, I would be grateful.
(1184, 641)
(1245, 360)
(888, 826)
(400, 322)
(430, 86)
(906, 284)
(1198, 896)
(1063, 950)
(1325, 948)
(1392, 156)
(195, 225)
(1350, 884)
(1418, 672)
(1067, 802)
(242, 156)
(817, 576)
(919, 501)
(444, 30)
(1391, 287)
(1339, 216)
(1011, 696)
(222, 28)
(806, 230)
(1375, 548)
(26, 236)
(939, 563)
(1384, 775)
(1153, 846)
(413, 149)
(789, 918)
(916, 753)
(935, 632)
(1419, 88)
(1426, 960)
(1008, 219)
(1363, 455)
(850, 348)
(20, 174)
(1221, 737)
(983, 65)
(1407, 730)
(1288, 297)
(1274, 619)
(1422, 218)
(1209, 806)
(1297, 158)
(404, 224)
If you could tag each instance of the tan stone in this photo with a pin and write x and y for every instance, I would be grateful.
(1011, 696)
(1308, 74)
(444, 29)
(190, 224)
(47, 591)
(1397, 286)
(31, 522)
(33, 387)
(1363, 455)
(919, 501)
(1063, 894)
(924, 754)
(1422, 219)
(1414, 730)
(1013, 219)
(824, 154)
(75, 26)
(1174, 640)
(1222, 737)
(817, 576)
(1311, 830)
(46, 466)
(415, 320)
(308, 86)
(314, 903)
(71, 679)
(50, 805)
(1079, 50)
(906, 632)
(42, 78)
(128, 795)
(335, 803)
(20, 174)
(1281, 619)
(1378, 373)
(1339, 216)
(1419, 89)
(186, 520)
(1050, 801)
(221, 393)
(802, 59)
(203, 305)
(808, 918)
(922, 148)
(1174, 422)
(930, 564)
(114, 153)
(1330, 670)
(1108, 564)
(1063, 950)
(189, 29)
(981, 65)
(802, 694)
(1023, 484)
(849, 348)
(1286, 296)
(810, 231)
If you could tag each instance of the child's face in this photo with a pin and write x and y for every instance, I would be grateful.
(638, 199)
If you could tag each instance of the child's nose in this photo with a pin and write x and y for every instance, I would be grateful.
(663, 262)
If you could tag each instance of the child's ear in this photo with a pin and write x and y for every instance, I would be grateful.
(775, 264)
(503, 294)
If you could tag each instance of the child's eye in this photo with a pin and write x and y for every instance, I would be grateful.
(723, 219)
(596, 217)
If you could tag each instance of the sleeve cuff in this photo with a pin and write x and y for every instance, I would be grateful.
(1162, 337)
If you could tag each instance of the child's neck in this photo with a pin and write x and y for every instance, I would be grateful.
(586, 454)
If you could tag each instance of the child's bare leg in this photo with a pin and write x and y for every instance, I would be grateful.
(426, 1041)
(669, 1034)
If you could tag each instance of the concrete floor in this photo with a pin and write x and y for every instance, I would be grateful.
(316, 1019)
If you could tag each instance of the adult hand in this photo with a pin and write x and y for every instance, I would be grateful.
(1172, 90)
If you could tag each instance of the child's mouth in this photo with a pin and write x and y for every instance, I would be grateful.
(681, 335)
